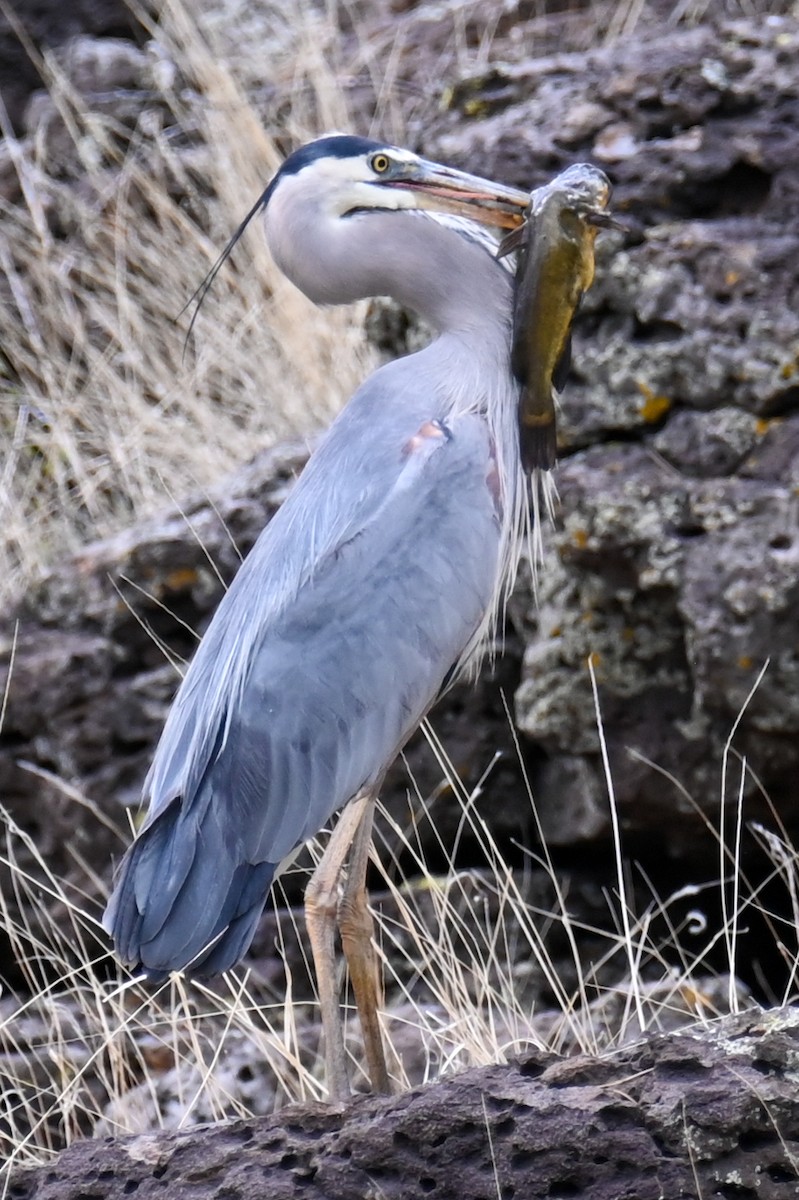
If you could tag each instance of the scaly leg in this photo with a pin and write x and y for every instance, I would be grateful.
(321, 912)
(357, 932)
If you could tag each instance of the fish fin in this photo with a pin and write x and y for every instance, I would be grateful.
(512, 241)
(563, 365)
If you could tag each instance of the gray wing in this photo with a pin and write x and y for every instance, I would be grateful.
(333, 683)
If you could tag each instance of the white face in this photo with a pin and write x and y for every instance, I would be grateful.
(335, 186)
(330, 187)
(309, 204)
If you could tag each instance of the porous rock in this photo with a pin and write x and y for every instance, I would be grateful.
(710, 1111)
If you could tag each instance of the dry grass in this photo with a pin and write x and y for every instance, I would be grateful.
(103, 416)
(477, 965)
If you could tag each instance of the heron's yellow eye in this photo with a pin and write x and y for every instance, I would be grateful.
(380, 163)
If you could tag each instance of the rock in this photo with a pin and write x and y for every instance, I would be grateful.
(707, 444)
(95, 66)
(48, 24)
(109, 77)
(674, 557)
(679, 589)
(710, 1110)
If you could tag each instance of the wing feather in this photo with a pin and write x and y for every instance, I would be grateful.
(336, 676)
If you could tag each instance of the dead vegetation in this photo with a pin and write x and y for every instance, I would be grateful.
(478, 966)
(115, 215)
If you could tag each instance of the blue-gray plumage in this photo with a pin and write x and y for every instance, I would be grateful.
(381, 573)
(326, 699)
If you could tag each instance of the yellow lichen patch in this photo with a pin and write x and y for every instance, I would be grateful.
(731, 278)
(476, 108)
(654, 406)
(696, 999)
(745, 662)
(652, 410)
(429, 883)
(594, 659)
(179, 580)
(761, 426)
(555, 631)
(579, 538)
(787, 370)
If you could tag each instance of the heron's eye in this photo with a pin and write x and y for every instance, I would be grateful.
(380, 163)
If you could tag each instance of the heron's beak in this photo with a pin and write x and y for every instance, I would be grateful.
(444, 189)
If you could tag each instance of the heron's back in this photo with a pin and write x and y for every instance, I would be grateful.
(330, 683)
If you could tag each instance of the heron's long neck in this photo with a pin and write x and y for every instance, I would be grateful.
(452, 282)
(462, 291)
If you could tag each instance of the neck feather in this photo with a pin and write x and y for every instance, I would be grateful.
(444, 275)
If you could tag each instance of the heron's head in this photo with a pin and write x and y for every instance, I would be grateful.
(325, 187)
(340, 176)
(331, 218)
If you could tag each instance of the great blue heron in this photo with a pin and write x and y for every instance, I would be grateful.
(377, 580)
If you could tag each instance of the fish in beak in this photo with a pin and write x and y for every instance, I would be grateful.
(555, 269)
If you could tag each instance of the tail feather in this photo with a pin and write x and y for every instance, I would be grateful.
(157, 867)
(181, 904)
(231, 948)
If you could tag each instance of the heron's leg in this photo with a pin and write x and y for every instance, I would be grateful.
(321, 913)
(357, 941)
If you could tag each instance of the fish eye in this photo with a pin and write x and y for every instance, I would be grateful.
(380, 163)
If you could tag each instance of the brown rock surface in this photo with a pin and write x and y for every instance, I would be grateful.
(710, 1112)
(676, 557)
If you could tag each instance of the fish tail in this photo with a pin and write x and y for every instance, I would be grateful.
(538, 443)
